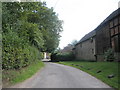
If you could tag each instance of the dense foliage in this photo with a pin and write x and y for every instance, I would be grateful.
(109, 55)
(55, 57)
(28, 29)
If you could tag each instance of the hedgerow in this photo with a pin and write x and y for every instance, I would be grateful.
(62, 57)
(16, 52)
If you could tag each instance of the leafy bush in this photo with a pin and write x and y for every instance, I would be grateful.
(109, 55)
(16, 52)
(62, 57)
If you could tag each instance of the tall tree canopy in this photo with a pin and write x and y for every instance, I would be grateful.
(28, 26)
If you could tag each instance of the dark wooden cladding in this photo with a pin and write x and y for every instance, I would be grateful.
(116, 30)
(119, 20)
(112, 31)
(108, 36)
(119, 29)
(115, 40)
(102, 39)
(115, 21)
(111, 24)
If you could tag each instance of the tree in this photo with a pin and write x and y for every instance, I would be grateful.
(74, 42)
(28, 29)
(51, 27)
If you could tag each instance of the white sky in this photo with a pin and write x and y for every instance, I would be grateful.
(80, 16)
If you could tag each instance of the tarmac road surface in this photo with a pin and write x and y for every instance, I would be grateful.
(60, 76)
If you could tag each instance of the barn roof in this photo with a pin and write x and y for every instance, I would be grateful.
(93, 33)
(87, 36)
(110, 17)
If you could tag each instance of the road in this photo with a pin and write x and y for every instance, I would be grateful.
(60, 76)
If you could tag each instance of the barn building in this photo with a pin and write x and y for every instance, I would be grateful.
(94, 44)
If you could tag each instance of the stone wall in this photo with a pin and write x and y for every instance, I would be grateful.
(86, 50)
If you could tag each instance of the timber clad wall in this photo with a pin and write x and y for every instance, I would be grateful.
(102, 41)
(115, 35)
(107, 35)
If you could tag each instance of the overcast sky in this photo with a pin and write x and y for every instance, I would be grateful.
(80, 16)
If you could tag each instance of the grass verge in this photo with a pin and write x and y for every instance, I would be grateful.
(11, 77)
(100, 70)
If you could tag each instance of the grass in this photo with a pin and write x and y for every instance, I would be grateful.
(11, 77)
(106, 68)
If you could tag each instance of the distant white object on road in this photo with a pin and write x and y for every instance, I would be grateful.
(44, 55)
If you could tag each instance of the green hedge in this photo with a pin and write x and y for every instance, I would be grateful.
(16, 52)
(62, 57)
